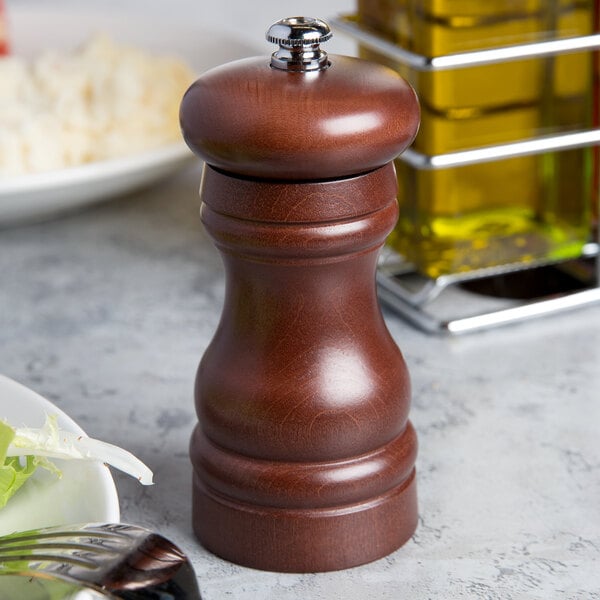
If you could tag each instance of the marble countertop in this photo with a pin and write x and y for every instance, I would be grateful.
(106, 312)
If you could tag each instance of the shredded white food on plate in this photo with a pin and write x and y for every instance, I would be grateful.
(101, 101)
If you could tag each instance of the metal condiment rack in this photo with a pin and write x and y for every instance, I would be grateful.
(411, 294)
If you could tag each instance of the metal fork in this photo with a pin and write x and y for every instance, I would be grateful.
(126, 561)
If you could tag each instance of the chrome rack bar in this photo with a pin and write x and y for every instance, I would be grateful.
(516, 314)
(461, 60)
(553, 143)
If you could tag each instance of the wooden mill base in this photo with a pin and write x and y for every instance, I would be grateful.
(319, 534)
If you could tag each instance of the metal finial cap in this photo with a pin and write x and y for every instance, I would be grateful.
(299, 39)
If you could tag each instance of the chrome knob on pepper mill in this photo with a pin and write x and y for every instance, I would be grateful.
(299, 40)
(303, 456)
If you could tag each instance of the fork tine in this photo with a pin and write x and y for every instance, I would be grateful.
(49, 558)
(109, 531)
(46, 546)
(57, 550)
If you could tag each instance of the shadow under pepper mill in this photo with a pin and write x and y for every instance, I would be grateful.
(303, 457)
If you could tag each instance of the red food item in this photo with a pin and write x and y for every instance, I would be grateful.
(3, 30)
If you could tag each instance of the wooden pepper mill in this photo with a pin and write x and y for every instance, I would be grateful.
(303, 457)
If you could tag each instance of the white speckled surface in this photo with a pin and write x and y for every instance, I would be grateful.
(107, 312)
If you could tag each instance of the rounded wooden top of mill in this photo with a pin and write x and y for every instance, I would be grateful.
(253, 119)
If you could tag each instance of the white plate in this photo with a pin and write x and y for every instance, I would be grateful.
(85, 493)
(41, 195)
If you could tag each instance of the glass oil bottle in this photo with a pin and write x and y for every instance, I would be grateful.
(518, 209)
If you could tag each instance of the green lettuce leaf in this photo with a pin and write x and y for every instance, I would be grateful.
(52, 442)
(23, 450)
(14, 472)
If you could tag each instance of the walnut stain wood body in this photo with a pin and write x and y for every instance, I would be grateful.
(262, 122)
(303, 455)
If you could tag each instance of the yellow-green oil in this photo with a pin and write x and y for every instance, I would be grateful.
(512, 210)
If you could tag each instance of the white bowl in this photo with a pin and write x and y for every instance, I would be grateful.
(86, 491)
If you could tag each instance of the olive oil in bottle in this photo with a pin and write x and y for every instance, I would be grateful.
(516, 209)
